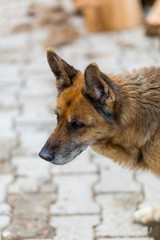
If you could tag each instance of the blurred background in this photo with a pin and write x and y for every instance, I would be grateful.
(90, 198)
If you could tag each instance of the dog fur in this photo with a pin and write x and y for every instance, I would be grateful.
(117, 116)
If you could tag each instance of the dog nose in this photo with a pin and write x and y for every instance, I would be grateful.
(46, 154)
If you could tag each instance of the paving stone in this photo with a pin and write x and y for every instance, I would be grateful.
(7, 118)
(16, 58)
(5, 124)
(28, 147)
(136, 63)
(4, 221)
(5, 167)
(31, 185)
(147, 238)
(8, 141)
(37, 66)
(9, 73)
(5, 180)
(39, 86)
(8, 100)
(75, 227)
(24, 184)
(5, 150)
(42, 96)
(117, 216)
(114, 178)
(14, 43)
(82, 164)
(37, 112)
(68, 6)
(32, 167)
(13, 6)
(7, 115)
(5, 209)
(75, 195)
(31, 173)
(48, 188)
(151, 187)
(30, 220)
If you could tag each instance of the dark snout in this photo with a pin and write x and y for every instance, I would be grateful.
(47, 154)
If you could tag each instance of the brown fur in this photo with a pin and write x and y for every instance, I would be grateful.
(130, 132)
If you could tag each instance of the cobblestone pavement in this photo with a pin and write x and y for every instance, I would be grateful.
(91, 198)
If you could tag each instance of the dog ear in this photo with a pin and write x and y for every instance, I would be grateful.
(63, 72)
(99, 90)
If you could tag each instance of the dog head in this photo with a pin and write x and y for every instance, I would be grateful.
(86, 110)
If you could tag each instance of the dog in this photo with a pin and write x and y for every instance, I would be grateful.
(117, 116)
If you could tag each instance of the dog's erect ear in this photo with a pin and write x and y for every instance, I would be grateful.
(63, 72)
(98, 88)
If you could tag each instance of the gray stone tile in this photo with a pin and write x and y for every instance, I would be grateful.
(74, 227)
(75, 195)
(117, 216)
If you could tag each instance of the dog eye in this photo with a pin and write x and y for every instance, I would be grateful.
(77, 125)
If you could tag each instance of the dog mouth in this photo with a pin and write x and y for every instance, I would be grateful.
(60, 159)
